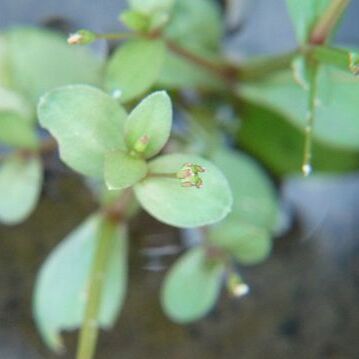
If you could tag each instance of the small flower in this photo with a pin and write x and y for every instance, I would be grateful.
(189, 175)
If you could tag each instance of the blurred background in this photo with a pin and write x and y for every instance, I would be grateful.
(304, 300)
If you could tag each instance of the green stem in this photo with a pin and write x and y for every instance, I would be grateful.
(257, 69)
(47, 146)
(162, 175)
(227, 73)
(115, 36)
(219, 70)
(89, 329)
(325, 25)
(312, 98)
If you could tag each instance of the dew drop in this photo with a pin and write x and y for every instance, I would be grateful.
(116, 94)
(306, 169)
(240, 290)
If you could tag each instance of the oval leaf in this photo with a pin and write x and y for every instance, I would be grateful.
(169, 202)
(247, 243)
(60, 292)
(86, 122)
(11, 101)
(15, 131)
(279, 144)
(150, 7)
(152, 118)
(191, 287)
(134, 67)
(336, 114)
(196, 24)
(4, 63)
(123, 170)
(42, 60)
(177, 73)
(197, 27)
(20, 186)
(254, 198)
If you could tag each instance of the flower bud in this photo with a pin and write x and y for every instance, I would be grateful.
(81, 37)
(236, 286)
(141, 144)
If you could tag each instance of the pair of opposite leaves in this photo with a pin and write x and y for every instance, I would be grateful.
(97, 138)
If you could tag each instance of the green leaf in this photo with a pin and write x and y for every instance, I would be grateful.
(4, 63)
(11, 101)
(135, 67)
(42, 60)
(254, 197)
(152, 118)
(15, 131)
(197, 27)
(123, 170)
(165, 198)
(150, 7)
(61, 286)
(196, 23)
(145, 22)
(191, 287)
(135, 20)
(86, 122)
(304, 14)
(336, 114)
(249, 244)
(270, 137)
(20, 187)
(178, 72)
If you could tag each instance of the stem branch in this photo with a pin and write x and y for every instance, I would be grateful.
(223, 72)
(115, 36)
(89, 329)
(162, 175)
(327, 22)
(312, 98)
(259, 68)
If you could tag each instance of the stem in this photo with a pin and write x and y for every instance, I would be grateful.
(224, 72)
(47, 146)
(162, 175)
(115, 36)
(256, 69)
(307, 159)
(118, 211)
(227, 73)
(327, 22)
(89, 329)
(220, 71)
